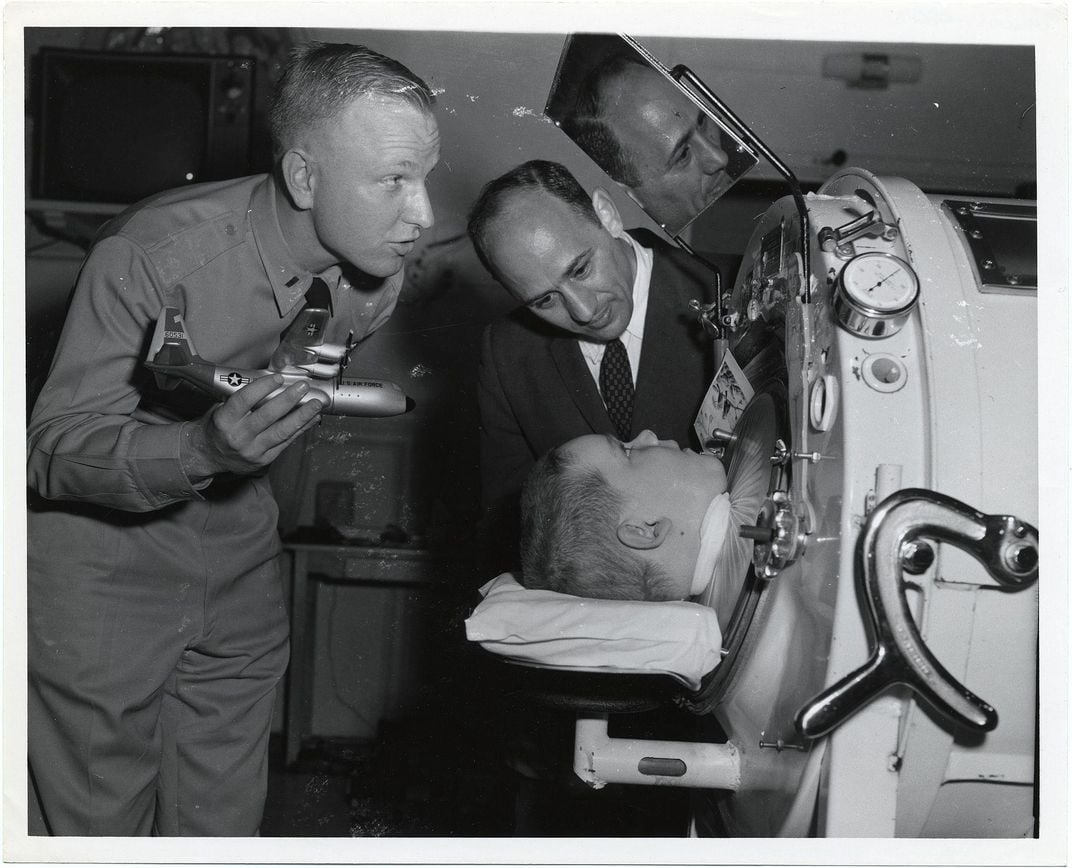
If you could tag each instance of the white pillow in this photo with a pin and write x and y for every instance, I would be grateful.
(560, 631)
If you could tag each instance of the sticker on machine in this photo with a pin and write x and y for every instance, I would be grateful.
(726, 398)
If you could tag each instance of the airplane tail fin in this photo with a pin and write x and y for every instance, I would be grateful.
(170, 347)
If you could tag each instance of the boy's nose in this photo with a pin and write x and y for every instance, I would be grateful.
(643, 439)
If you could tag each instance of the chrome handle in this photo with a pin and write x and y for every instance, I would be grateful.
(720, 439)
(1006, 546)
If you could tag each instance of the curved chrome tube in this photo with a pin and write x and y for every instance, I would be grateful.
(1006, 546)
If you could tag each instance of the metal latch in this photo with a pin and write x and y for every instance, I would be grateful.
(840, 240)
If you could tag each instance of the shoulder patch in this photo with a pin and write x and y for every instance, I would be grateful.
(184, 252)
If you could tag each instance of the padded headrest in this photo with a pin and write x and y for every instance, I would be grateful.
(560, 631)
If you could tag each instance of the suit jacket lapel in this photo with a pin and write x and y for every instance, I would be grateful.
(658, 327)
(670, 350)
(578, 382)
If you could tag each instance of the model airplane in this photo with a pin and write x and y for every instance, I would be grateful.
(300, 357)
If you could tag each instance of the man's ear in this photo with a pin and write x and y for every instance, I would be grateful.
(607, 212)
(297, 170)
(636, 533)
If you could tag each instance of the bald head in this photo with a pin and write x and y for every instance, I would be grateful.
(557, 250)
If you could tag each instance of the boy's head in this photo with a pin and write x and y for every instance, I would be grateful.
(612, 520)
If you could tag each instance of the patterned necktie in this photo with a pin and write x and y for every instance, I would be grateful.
(616, 386)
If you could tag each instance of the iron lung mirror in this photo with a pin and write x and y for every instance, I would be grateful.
(656, 139)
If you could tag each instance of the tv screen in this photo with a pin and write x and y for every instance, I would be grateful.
(110, 128)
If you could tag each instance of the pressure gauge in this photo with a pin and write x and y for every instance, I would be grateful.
(875, 294)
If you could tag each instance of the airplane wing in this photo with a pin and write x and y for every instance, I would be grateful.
(298, 346)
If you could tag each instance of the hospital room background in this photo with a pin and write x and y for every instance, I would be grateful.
(382, 677)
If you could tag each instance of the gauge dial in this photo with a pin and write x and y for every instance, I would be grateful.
(879, 283)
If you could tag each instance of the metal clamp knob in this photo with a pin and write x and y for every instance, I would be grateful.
(779, 534)
(1007, 547)
(840, 239)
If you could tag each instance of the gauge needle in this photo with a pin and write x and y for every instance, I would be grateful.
(884, 279)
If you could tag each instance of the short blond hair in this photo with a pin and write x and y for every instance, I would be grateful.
(569, 544)
(323, 78)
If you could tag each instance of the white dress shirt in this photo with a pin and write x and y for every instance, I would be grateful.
(633, 336)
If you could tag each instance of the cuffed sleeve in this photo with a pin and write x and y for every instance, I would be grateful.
(87, 439)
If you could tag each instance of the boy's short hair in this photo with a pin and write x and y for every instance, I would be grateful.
(323, 78)
(569, 542)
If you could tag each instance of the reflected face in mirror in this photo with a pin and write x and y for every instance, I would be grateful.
(572, 270)
(674, 147)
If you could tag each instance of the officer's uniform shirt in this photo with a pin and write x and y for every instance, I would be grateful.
(156, 619)
(214, 251)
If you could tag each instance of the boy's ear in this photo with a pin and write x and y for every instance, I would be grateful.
(636, 533)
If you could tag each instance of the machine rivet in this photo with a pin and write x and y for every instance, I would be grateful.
(976, 233)
(989, 264)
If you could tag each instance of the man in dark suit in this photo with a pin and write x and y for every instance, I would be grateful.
(604, 342)
(583, 283)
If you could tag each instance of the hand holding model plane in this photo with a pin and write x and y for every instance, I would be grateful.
(264, 410)
(248, 431)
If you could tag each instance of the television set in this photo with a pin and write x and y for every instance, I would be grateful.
(111, 128)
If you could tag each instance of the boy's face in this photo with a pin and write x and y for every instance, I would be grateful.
(655, 477)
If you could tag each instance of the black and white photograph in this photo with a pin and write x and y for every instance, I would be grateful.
(722, 406)
(537, 433)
